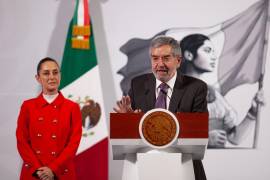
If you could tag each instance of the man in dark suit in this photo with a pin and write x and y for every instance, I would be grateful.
(182, 93)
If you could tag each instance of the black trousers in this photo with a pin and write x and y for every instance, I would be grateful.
(199, 170)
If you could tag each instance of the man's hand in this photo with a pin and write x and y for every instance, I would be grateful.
(217, 138)
(124, 106)
(45, 173)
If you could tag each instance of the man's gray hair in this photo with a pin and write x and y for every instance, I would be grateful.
(166, 40)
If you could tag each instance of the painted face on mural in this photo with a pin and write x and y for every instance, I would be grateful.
(164, 63)
(49, 77)
(206, 57)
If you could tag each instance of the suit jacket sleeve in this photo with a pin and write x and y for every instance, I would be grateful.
(200, 101)
(23, 140)
(131, 95)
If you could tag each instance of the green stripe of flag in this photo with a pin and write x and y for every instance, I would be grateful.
(76, 62)
(75, 15)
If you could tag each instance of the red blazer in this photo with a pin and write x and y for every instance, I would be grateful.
(49, 135)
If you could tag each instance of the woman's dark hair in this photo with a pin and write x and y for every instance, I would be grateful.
(46, 59)
(192, 43)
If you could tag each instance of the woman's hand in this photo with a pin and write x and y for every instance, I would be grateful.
(45, 173)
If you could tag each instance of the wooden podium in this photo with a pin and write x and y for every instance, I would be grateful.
(143, 162)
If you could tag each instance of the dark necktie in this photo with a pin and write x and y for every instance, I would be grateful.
(162, 96)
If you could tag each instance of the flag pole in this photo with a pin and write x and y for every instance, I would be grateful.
(260, 82)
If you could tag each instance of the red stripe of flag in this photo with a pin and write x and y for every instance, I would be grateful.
(86, 15)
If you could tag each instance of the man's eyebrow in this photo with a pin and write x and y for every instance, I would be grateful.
(166, 55)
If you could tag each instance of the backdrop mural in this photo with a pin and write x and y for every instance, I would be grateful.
(238, 57)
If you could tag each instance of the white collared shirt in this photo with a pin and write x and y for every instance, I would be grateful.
(170, 83)
(50, 98)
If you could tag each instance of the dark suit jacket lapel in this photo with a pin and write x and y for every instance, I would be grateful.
(150, 86)
(178, 92)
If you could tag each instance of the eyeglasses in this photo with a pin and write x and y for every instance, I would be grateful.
(165, 58)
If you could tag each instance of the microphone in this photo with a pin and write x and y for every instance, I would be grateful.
(166, 93)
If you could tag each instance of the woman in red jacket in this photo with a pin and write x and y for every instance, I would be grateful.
(49, 129)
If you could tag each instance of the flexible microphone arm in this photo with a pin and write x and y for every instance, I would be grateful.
(166, 93)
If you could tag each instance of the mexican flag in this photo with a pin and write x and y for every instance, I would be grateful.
(81, 83)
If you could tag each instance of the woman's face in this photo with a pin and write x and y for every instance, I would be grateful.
(49, 77)
(206, 57)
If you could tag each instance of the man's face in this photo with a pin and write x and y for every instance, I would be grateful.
(206, 57)
(49, 77)
(164, 63)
